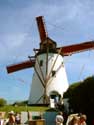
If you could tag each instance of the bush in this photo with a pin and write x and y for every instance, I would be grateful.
(3, 102)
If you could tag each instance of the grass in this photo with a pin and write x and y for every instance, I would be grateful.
(23, 108)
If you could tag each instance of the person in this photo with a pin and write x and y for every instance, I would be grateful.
(82, 120)
(11, 120)
(74, 121)
(1, 119)
(59, 119)
(18, 118)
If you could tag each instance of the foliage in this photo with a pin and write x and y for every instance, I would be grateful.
(3, 102)
(20, 103)
(81, 97)
(70, 90)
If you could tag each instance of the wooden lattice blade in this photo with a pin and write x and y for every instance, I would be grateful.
(20, 66)
(41, 28)
(76, 48)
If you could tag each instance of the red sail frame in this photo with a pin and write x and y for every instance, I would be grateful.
(20, 66)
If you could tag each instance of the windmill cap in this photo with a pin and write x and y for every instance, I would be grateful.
(11, 112)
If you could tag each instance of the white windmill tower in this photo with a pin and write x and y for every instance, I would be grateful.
(49, 80)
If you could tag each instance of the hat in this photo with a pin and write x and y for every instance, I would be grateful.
(11, 112)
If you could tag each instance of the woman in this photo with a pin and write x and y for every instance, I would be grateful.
(11, 118)
(82, 120)
(74, 121)
(59, 119)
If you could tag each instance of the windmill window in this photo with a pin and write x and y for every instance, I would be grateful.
(41, 62)
(53, 73)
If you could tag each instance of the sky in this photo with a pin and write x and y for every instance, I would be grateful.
(67, 22)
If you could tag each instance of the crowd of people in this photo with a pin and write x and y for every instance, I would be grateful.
(12, 119)
(73, 119)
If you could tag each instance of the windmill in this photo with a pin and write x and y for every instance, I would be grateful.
(49, 80)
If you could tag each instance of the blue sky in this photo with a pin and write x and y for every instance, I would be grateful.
(67, 22)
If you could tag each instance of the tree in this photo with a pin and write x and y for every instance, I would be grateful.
(21, 103)
(81, 97)
(3, 102)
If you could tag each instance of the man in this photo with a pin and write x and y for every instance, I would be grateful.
(59, 119)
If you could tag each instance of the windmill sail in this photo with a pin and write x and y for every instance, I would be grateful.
(41, 28)
(20, 66)
(71, 49)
